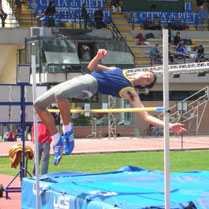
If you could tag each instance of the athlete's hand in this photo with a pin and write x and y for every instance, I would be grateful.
(102, 53)
(177, 128)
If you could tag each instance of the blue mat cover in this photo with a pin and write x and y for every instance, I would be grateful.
(127, 188)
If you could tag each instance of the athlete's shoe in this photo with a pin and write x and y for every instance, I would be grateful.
(58, 149)
(69, 142)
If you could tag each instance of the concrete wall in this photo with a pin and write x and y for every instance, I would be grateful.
(13, 36)
(102, 131)
(8, 64)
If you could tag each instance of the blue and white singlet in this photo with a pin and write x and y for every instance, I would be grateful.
(112, 82)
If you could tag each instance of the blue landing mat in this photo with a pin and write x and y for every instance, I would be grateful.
(128, 188)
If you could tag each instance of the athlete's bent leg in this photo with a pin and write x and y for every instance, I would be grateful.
(67, 127)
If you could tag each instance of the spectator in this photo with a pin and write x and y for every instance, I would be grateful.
(156, 24)
(180, 44)
(9, 136)
(181, 51)
(159, 131)
(177, 38)
(87, 53)
(170, 55)
(152, 8)
(197, 60)
(202, 15)
(200, 52)
(199, 2)
(116, 7)
(85, 16)
(153, 130)
(18, 7)
(40, 18)
(176, 24)
(50, 12)
(155, 54)
(3, 15)
(140, 38)
(34, 6)
(170, 37)
(28, 128)
(148, 24)
(44, 140)
(98, 18)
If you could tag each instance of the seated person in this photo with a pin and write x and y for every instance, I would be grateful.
(156, 24)
(155, 54)
(200, 52)
(148, 24)
(181, 52)
(176, 24)
(116, 7)
(140, 38)
(170, 55)
(180, 44)
(177, 38)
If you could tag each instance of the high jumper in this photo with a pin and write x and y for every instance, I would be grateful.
(105, 80)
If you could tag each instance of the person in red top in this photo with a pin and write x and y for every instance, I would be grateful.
(44, 140)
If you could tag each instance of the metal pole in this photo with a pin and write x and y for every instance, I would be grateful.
(166, 120)
(23, 172)
(182, 140)
(33, 61)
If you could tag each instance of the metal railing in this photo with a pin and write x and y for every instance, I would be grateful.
(192, 110)
(117, 35)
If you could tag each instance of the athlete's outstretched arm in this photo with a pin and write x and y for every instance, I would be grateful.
(135, 101)
(94, 63)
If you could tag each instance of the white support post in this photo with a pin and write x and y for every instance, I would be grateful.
(166, 120)
(33, 61)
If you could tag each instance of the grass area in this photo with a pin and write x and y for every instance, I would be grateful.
(180, 161)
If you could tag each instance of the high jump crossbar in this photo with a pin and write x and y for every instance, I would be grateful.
(153, 109)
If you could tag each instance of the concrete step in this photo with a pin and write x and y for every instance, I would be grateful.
(137, 55)
(124, 27)
(126, 33)
(120, 21)
(142, 62)
(131, 43)
(138, 27)
(202, 40)
(127, 37)
(134, 50)
(25, 25)
(118, 15)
